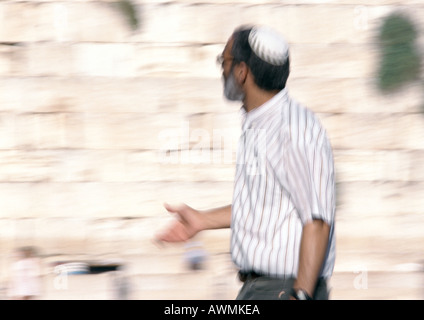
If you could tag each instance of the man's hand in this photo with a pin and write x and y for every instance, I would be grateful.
(187, 224)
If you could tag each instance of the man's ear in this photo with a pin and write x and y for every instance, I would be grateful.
(242, 72)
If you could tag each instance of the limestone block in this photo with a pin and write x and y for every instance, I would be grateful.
(13, 202)
(177, 60)
(66, 165)
(126, 131)
(191, 95)
(47, 130)
(83, 236)
(24, 95)
(62, 21)
(45, 60)
(24, 21)
(137, 236)
(179, 22)
(85, 165)
(331, 23)
(90, 21)
(134, 166)
(204, 139)
(96, 165)
(408, 100)
(387, 228)
(7, 131)
(411, 130)
(369, 165)
(151, 131)
(27, 130)
(332, 61)
(75, 134)
(6, 53)
(25, 166)
(354, 95)
(380, 199)
(99, 95)
(83, 59)
(100, 60)
(147, 166)
(116, 60)
(199, 23)
(102, 200)
(416, 166)
(374, 131)
(201, 195)
(114, 95)
(42, 130)
(24, 232)
(80, 94)
(11, 94)
(7, 228)
(65, 235)
(213, 131)
(105, 236)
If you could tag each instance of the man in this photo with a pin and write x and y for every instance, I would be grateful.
(283, 208)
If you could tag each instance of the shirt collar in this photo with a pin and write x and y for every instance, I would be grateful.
(261, 114)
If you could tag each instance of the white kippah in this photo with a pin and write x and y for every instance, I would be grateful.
(269, 45)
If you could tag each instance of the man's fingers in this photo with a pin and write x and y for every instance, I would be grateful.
(169, 208)
(175, 233)
(183, 228)
(164, 237)
(180, 210)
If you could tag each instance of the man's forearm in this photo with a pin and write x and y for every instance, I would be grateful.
(217, 218)
(312, 253)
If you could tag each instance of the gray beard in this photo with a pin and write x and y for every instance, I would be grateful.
(232, 90)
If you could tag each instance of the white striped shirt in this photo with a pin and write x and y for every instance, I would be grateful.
(284, 179)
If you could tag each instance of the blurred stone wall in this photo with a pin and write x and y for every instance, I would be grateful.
(101, 123)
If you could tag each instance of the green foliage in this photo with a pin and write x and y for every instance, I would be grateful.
(129, 10)
(401, 60)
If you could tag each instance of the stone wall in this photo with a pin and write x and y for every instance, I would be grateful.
(101, 123)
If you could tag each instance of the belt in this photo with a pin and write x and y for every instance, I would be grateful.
(248, 275)
(251, 275)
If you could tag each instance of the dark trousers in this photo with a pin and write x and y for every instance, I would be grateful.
(267, 288)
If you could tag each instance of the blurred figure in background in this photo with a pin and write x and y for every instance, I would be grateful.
(283, 209)
(121, 286)
(25, 277)
(195, 256)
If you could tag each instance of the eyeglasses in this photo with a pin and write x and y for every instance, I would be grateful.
(220, 60)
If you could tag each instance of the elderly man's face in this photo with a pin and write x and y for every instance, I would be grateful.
(232, 90)
(226, 59)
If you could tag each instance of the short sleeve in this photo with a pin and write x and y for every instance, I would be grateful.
(310, 181)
